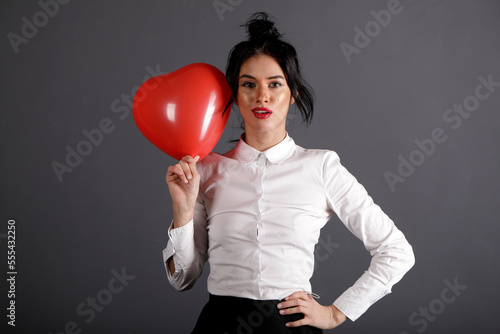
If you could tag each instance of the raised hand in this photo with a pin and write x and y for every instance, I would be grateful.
(183, 183)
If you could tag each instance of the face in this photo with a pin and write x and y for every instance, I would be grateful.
(263, 95)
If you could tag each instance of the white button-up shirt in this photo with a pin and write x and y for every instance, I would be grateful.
(258, 218)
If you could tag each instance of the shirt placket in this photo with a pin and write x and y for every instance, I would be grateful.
(261, 210)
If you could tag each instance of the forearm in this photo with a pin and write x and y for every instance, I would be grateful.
(182, 215)
(183, 279)
(185, 253)
(389, 264)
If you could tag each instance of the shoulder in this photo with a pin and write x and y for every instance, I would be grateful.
(323, 163)
(317, 163)
(214, 163)
(316, 155)
(208, 162)
(215, 159)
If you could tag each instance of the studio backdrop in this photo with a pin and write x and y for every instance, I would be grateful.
(407, 93)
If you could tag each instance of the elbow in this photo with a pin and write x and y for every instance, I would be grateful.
(183, 286)
(405, 255)
(178, 283)
(183, 280)
(409, 258)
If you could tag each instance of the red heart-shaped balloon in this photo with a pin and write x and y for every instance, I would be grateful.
(181, 112)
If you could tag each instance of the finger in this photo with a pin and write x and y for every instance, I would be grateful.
(290, 310)
(299, 295)
(186, 169)
(192, 164)
(298, 323)
(173, 173)
(297, 309)
(290, 303)
(180, 172)
(187, 158)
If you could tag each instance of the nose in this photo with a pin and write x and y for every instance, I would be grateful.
(262, 95)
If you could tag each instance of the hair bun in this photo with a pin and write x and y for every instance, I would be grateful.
(260, 28)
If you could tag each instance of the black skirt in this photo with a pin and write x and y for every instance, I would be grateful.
(234, 315)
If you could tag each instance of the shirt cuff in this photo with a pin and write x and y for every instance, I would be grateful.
(358, 298)
(180, 243)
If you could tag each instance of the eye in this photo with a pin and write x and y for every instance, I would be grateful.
(248, 84)
(275, 84)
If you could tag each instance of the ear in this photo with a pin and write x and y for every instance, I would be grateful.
(292, 100)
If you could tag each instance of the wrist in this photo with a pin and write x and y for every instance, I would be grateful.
(181, 218)
(337, 316)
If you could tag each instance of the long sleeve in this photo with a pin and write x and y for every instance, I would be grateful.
(187, 245)
(265, 212)
(392, 255)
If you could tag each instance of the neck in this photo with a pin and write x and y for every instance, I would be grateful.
(264, 140)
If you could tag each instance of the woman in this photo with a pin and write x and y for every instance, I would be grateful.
(256, 211)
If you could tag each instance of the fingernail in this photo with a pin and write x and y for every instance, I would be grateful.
(286, 298)
(279, 305)
(282, 311)
(287, 324)
(190, 177)
(196, 158)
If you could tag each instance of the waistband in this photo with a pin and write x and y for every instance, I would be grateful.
(239, 300)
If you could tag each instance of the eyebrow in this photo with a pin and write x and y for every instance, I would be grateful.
(269, 78)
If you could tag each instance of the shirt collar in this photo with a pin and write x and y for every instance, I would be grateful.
(276, 154)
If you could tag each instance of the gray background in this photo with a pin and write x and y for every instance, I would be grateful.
(113, 210)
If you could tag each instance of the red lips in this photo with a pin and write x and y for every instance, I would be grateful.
(262, 113)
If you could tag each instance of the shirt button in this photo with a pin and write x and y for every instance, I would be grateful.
(261, 170)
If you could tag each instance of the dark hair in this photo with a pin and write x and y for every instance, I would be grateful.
(264, 39)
